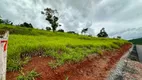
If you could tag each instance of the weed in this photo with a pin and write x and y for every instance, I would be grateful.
(29, 76)
(67, 78)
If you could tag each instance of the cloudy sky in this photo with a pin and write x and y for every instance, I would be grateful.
(118, 17)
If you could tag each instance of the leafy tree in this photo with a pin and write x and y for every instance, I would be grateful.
(102, 33)
(51, 18)
(60, 30)
(25, 24)
(1, 21)
(72, 32)
(118, 37)
(90, 35)
(48, 28)
(84, 30)
(5, 21)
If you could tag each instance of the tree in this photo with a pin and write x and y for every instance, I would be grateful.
(102, 33)
(48, 28)
(6, 21)
(84, 30)
(51, 18)
(118, 37)
(60, 30)
(72, 32)
(25, 24)
(1, 21)
(90, 35)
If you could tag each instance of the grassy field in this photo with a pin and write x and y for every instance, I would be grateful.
(64, 47)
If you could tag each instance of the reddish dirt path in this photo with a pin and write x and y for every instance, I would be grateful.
(92, 68)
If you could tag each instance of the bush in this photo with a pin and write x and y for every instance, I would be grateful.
(29, 76)
(25, 24)
(102, 33)
(60, 30)
(48, 28)
(72, 32)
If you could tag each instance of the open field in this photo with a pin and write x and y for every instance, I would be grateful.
(24, 43)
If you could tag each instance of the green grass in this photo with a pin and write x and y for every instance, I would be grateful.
(64, 47)
(28, 76)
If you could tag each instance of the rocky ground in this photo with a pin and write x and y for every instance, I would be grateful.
(133, 70)
(128, 68)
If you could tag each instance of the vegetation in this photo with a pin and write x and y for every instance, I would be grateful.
(84, 30)
(60, 30)
(136, 41)
(25, 24)
(71, 32)
(5, 21)
(29, 76)
(48, 28)
(51, 18)
(102, 33)
(64, 47)
(1, 21)
(118, 37)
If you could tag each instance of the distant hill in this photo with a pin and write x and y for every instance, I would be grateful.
(136, 41)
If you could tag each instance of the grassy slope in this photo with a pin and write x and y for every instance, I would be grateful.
(61, 46)
(136, 41)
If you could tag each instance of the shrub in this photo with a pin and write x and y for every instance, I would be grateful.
(29, 76)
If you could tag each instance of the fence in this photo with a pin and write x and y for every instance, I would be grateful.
(3, 54)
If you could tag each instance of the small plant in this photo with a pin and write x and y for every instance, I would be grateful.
(53, 65)
(29, 76)
(15, 65)
(67, 78)
(26, 60)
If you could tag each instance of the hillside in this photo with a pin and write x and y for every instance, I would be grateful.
(136, 41)
(24, 43)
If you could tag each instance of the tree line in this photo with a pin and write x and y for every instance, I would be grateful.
(6, 21)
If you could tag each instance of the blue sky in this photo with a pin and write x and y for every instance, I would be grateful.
(118, 17)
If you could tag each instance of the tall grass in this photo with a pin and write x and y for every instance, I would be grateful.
(64, 47)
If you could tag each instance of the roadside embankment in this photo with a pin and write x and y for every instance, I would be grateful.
(128, 68)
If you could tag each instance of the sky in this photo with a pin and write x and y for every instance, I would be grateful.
(118, 17)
